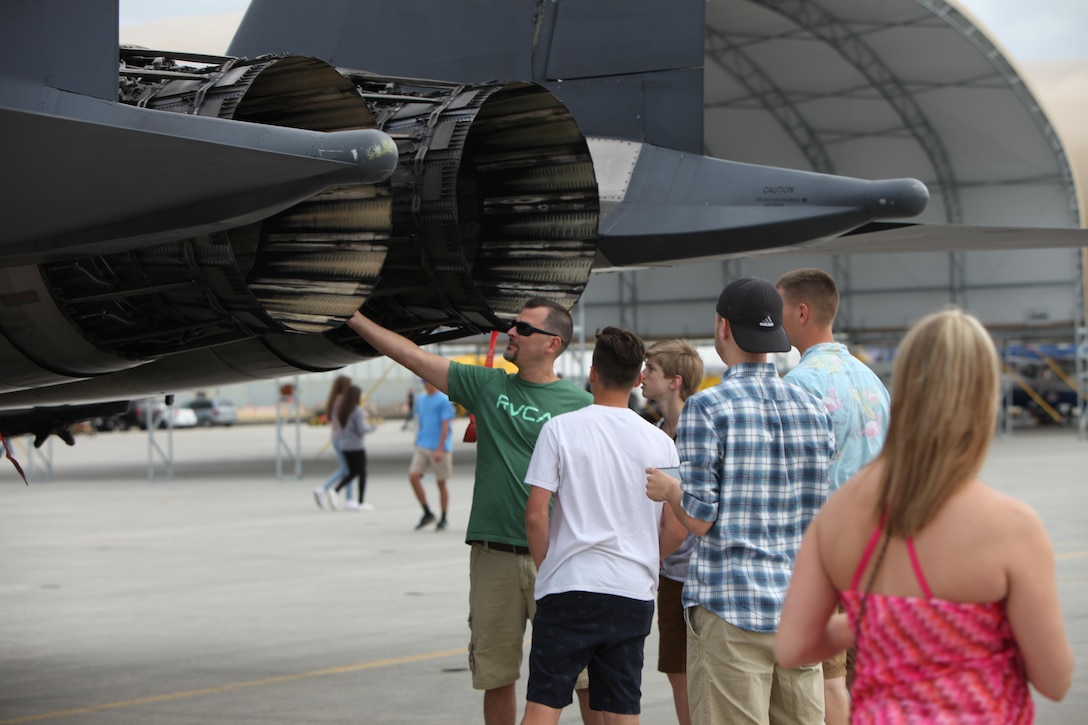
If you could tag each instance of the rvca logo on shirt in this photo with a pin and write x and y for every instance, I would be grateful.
(525, 412)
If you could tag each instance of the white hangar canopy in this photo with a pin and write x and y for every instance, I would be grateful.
(897, 88)
(900, 88)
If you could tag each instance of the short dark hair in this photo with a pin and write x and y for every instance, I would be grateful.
(617, 358)
(816, 288)
(557, 321)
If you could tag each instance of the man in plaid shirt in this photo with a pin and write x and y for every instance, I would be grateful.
(756, 454)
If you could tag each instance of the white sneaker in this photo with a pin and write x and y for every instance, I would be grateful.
(352, 506)
(319, 497)
(334, 500)
(364, 506)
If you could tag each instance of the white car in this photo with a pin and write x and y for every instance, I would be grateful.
(180, 416)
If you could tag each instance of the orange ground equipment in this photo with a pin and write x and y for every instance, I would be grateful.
(470, 432)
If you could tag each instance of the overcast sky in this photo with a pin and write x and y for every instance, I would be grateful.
(1039, 30)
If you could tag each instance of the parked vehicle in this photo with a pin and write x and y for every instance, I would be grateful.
(135, 417)
(129, 418)
(111, 423)
(180, 416)
(214, 411)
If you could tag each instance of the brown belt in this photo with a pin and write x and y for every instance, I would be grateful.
(497, 546)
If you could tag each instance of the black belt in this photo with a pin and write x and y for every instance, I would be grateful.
(497, 546)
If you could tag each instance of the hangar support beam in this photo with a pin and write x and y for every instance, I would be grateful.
(763, 89)
(1015, 84)
(812, 17)
(1081, 354)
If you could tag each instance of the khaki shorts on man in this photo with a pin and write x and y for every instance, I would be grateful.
(498, 582)
(423, 459)
(732, 675)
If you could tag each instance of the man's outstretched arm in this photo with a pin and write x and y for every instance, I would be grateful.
(435, 369)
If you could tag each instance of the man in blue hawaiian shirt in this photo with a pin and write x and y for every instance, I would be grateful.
(854, 396)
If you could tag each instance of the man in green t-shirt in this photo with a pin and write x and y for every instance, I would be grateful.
(510, 411)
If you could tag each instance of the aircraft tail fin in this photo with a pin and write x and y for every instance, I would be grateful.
(609, 61)
(70, 45)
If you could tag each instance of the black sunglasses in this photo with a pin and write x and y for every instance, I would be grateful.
(525, 329)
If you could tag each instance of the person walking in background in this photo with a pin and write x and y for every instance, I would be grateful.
(336, 393)
(949, 587)
(433, 450)
(410, 412)
(509, 412)
(673, 373)
(353, 430)
(597, 552)
(854, 396)
(755, 457)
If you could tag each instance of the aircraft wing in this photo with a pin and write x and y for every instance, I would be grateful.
(882, 238)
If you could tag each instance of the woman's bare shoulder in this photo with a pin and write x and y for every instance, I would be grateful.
(982, 519)
(1022, 523)
(855, 498)
(1000, 510)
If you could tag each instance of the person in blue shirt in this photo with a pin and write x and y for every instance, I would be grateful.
(434, 450)
(854, 396)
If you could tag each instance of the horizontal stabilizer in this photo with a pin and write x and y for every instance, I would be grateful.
(663, 207)
(178, 175)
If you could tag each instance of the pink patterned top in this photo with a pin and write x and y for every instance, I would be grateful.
(933, 661)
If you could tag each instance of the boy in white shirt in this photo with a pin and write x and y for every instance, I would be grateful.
(597, 555)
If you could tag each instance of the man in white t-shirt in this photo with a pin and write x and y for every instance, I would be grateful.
(597, 554)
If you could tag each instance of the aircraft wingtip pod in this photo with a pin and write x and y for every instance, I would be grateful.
(372, 151)
(666, 207)
(896, 198)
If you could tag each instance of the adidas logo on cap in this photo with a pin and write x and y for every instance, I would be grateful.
(754, 310)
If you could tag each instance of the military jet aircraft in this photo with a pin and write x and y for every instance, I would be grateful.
(177, 220)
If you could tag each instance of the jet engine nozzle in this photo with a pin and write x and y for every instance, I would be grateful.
(456, 204)
(494, 202)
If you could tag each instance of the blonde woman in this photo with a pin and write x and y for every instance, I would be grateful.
(949, 586)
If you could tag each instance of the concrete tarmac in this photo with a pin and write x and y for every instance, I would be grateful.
(225, 595)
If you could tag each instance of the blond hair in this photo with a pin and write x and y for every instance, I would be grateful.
(945, 389)
(678, 357)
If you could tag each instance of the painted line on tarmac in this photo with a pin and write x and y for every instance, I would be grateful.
(285, 678)
(237, 686)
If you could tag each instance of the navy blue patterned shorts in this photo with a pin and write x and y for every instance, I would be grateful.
(608, 633)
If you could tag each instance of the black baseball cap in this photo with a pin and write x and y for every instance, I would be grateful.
(754, 310)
